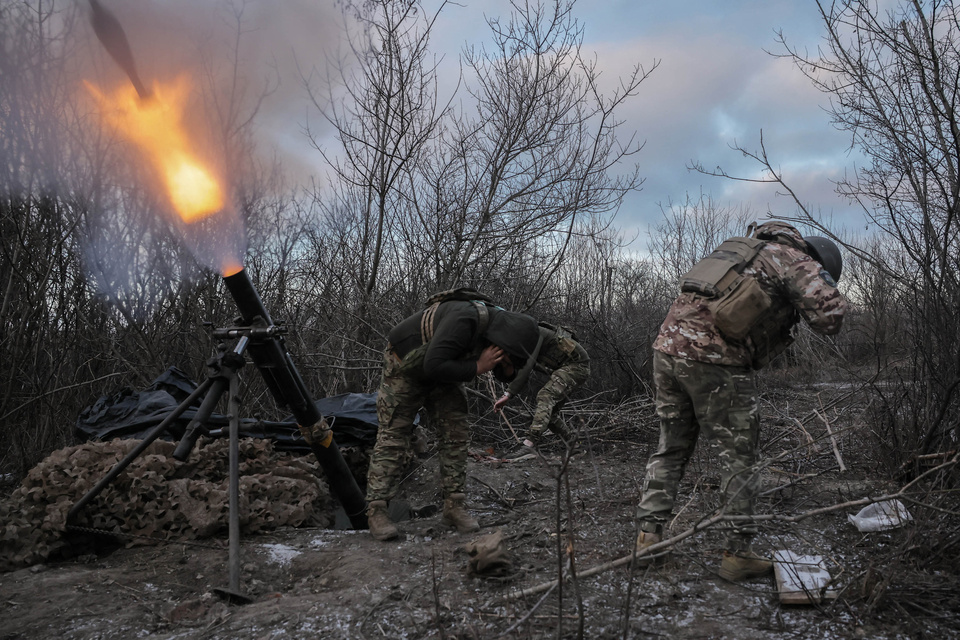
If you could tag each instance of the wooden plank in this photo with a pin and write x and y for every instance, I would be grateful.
(801, 579)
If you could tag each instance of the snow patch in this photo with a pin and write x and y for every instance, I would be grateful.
(280, 553)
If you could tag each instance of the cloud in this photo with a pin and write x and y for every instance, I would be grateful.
(716, 86)
(715, 89)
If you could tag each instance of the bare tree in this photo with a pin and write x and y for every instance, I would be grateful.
(42, 293)
(892, 80)
(892, 77)
(389, 114)
(494, 193)
(691, 230)
(537, 160)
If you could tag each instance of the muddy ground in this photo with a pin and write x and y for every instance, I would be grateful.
(328, 583)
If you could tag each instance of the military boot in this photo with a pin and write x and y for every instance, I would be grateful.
(455, 514)
(743, 565)
(381, 527)
(645, 540)
(564, 434)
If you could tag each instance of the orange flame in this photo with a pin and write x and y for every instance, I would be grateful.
(230, 268)
(155, 126)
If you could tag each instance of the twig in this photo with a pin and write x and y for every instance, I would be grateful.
(693, 496)
(833, 441)
(810, 440)
(628, 598)
(436, 592)
(59, 389)
(796, 480)
(662, 547)
(560, 554)
(570, 543)
(530, 613)
(507, 502)
(503, 416)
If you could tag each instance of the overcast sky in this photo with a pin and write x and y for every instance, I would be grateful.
(716, 85)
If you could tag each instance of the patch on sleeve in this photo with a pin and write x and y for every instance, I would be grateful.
(828, 278)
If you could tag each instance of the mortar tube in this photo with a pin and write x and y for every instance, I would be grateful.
(289, 390)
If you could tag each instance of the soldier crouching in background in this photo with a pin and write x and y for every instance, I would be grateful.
(560, 356)
(736, 312)
(429, 357)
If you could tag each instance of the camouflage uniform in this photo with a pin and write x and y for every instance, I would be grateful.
(403, 390)
(705, 381)
(431, 374)
(567, 363)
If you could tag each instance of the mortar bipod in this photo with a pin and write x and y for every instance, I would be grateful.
(223, 377)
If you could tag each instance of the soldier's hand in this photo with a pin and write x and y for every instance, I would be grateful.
(489, 358)
(502, 400)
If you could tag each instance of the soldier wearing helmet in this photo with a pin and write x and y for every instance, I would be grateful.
(736, 311)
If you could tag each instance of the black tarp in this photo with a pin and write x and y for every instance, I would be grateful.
(132, 414)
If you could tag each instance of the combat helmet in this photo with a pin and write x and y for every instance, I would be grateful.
(826, 252)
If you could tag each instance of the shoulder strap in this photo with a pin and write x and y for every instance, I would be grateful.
(483, 318)
(429, 315)
(426, 322)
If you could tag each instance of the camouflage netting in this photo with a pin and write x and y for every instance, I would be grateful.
(157, 496)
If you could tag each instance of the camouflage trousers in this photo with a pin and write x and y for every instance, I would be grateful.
(403, 391)
(720, 401)
(555, 392)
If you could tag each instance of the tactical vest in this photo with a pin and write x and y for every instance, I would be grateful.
(717, 274)
(741, 309)
(551, 357)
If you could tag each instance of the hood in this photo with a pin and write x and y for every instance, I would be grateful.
(515, 333)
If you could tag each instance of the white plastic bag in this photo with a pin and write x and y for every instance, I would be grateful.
(881, 516)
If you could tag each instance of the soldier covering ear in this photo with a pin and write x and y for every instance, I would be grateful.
(429, 356)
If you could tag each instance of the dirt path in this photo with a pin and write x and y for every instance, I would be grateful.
(323, 583)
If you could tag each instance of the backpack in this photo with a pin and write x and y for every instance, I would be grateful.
(463, 294)
(738, 303)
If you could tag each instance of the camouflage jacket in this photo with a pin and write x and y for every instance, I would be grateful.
(798, 287)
